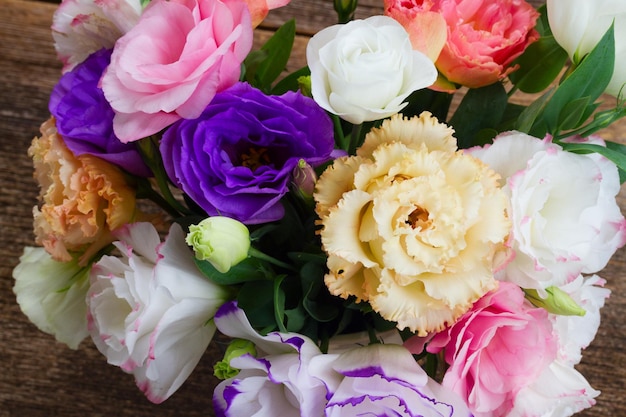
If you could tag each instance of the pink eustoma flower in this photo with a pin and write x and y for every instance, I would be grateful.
(495, 350)
(174, 61)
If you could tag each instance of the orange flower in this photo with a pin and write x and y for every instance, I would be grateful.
(84, 198)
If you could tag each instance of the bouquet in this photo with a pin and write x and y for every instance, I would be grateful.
(365, 244)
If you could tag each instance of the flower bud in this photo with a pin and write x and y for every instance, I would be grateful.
(222, 241)
(345, 10)
(556, 302)
(238, 347)
(303, 179)
(304, 84)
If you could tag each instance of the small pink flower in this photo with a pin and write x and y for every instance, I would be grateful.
(174, 61)
(496, 349)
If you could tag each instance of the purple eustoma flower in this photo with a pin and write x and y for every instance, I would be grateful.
(237, 158)
(84, 118)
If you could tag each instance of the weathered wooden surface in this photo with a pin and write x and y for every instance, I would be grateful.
(39, 377)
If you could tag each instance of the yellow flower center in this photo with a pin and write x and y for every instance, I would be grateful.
(419, 218)
(255, 158)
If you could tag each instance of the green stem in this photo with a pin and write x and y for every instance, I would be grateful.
(340, 138)
(354, 138)
(264, 257)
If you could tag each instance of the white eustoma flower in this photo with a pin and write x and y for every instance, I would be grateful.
(558, 232)
(365, 69)
(81, 27)
(578, 25)
(52, 295)
(560, 391)
(575, 333)
(277, 382)
(150, 310)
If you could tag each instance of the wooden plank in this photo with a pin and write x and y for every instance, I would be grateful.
(43, 378)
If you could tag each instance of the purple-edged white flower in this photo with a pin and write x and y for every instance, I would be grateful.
(558, 231)
(383, 380)
(149, 310)
(277, 382)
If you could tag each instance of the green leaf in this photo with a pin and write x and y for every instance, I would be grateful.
(539, 65)
(279, 303)
(296, 317)
(277, 50)
(290, 82)
(531, 116)
(543, 25)
(618, 147)
(588, 79)
(250, 269)
(256, 299)
(251, 65)
(573, 113)
(481, 108)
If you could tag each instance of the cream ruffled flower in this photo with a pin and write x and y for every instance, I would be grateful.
(84, 198)
(411, 225)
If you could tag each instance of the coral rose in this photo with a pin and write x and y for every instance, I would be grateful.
(174, 61)
(84, 198)
(411, 225)
(483, 36)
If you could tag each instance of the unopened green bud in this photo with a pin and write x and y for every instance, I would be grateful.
(556, 302)
(222, 241)
(345, 10)
(237, 347)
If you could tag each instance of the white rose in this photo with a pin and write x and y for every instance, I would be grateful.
(365, 69)
(52, 295)
(150, 309)
(565, 218)
(578, 25)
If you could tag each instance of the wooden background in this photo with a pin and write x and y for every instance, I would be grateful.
(40, 377)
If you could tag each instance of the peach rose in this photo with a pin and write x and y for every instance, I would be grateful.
(483, 36)
(174, 61)
(411, 225)
(84, 198)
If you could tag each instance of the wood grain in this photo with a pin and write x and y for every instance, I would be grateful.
(40, 377)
